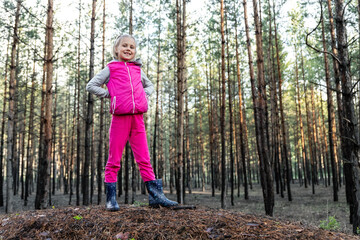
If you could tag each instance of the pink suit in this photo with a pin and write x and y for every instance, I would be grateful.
(128, 103)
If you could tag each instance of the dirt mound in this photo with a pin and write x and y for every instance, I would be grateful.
(142, 222)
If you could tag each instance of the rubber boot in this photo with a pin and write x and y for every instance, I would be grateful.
(156, 194)
(111, 204)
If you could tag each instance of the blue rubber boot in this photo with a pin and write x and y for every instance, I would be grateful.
(156, 194)
(111, 204)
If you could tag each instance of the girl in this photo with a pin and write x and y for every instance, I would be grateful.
(128, 89)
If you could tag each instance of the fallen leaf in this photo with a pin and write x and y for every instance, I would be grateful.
(209, 230)
(122, 236)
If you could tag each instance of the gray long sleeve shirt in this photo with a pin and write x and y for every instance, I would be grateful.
(94, 85)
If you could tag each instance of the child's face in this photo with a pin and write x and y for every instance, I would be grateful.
(126, 49)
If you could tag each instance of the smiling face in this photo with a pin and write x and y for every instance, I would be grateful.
(126, 49)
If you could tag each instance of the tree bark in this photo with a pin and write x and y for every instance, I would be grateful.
(222, 109)
(89, 114)
(211, 129)
(42, 193)
(53, 166)
(231, 135)
(242, 118)
(283, 130)
(338, 95)
(101, 121)
(180, 99)
(331, 119)
(156, 123)
(349, 129)
(31, 137)
(259, 100)
(11, 112)
(3, 124)
(78, 126)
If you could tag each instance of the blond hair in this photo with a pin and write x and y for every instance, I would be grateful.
(118, 41)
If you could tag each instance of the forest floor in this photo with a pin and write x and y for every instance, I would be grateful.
(299, 219)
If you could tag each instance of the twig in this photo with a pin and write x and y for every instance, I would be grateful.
(317, 50)
(321, 85)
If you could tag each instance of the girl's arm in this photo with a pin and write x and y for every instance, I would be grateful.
(94, 85)
(147, 84)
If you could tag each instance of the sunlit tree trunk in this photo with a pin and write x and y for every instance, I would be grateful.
(338, 95)
(331, 119)
(42, 193)
(259, 100)
(231, 135)
(283, 130)
(243, 138)
(310, 135)
(315, 138)
(301, 125)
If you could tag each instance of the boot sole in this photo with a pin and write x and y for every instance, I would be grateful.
(113, 209)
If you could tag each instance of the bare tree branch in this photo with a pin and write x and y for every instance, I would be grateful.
(315, 49)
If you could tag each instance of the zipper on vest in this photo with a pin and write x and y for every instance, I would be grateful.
(114, 104)
(132, 89)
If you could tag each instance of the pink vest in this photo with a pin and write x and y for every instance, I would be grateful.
(126, 89)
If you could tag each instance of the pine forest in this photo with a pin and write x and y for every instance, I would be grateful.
(247, 95)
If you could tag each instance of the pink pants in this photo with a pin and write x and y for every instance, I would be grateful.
(128, 128)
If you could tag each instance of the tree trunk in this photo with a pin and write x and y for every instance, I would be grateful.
(231, 135)
(3, 124)
(78, 126)
(222, 109)
(180, 99)
(31, 136)
(53, 180)
(202, 155)
(41, 200)
(349, 130)
(126, 175)
(338, 97)
(315, 138)
(156, 123)
(211, 129)
(101, 122)
(187, 177)
(331, 119)
(23, 131)
(11, 112)
(301, 124)
(89, 114)
(283, 130)
(242, 129)
(259, 100)
(310, 134)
